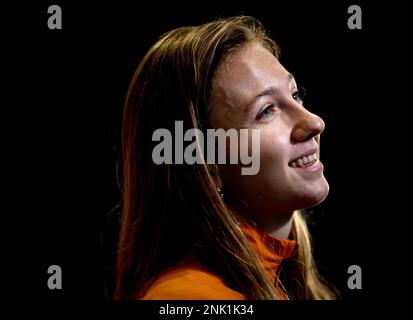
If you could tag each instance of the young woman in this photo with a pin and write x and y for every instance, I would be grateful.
(205, 230)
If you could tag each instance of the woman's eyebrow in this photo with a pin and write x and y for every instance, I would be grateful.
(266, 92)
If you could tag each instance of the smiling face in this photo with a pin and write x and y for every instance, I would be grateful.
(253, 90)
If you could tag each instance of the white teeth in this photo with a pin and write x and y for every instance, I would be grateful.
(312, 157)
(303, 161)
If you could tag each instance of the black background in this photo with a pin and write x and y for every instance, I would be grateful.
(81, 77)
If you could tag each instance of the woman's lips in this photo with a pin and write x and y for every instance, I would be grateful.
(310, 170)
(308, 165)
(309, 159)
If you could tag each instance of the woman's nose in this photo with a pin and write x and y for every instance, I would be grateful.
(308, 125)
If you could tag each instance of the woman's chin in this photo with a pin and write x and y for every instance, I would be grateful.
(316, 196)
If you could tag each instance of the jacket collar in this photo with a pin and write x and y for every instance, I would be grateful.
(271, 250)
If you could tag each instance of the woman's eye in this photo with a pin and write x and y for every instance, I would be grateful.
(268, 111)
(299, 95)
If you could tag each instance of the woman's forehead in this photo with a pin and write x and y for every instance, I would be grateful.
(250, 70)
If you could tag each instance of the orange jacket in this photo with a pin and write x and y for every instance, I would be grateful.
(190, 280)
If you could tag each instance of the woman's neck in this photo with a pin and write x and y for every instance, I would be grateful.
(277, 225)
(279, 228)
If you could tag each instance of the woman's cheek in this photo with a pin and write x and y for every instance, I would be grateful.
(271, 155)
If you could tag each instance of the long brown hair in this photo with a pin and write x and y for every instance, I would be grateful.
(169, 209)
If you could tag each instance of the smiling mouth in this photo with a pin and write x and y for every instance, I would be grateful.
(305, 161)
